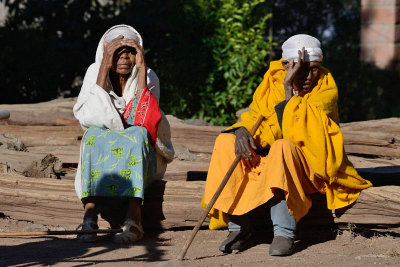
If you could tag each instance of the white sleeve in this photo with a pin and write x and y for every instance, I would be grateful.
(153, 83)
(94, 106)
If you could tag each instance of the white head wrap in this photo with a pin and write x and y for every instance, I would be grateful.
(123, 30)
(295, 43)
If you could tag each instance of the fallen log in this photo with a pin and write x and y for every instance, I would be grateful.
(54, 112)
(389, 125)
(44, 135)
(379, 138)
(376, 151)
(48, 201)
(170, 204)
(370, 138)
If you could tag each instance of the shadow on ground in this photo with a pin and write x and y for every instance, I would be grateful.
(53, 250)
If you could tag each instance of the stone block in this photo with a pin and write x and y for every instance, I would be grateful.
(390, 33)
(385, 55)
(372, 33)
(385, 15)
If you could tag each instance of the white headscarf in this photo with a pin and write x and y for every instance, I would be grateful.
(129, 33)
(295, 43)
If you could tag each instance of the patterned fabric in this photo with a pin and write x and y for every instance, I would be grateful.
(117, 163)
(147, 113)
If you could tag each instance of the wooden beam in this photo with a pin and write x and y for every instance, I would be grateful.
(170, 204)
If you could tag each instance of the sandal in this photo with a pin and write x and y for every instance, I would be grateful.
(87, 225)
(127, 236)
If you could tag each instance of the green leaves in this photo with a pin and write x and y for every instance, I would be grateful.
(239, 48)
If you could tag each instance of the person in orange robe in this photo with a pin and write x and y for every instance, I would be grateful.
(297, 150)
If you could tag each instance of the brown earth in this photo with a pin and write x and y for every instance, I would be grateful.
(330, 247)
(50, 128)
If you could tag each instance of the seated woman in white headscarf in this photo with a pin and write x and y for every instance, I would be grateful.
(127, 143)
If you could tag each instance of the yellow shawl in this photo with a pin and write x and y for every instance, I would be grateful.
(311, 122)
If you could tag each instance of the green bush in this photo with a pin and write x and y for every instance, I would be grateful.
(239, 50)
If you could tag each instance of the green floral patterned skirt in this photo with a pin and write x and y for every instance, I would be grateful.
(117, 163)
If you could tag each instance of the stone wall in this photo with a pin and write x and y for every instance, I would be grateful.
(380, 32)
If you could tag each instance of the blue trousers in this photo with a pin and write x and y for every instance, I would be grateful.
(283, 221)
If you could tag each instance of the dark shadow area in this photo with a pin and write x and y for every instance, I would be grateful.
(381, 176)
(185, 228)
(367, 232)
(114, 209)
(152, 210)
(309, 236)
(196, 175)
(53, 250)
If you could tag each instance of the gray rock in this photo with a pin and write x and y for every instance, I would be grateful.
(183, 153)
(4, 114)
(196, 122)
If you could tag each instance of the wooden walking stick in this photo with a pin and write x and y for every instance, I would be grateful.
(63, 232)
(216, 195)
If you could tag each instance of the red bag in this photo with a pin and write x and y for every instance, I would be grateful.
(147, 114)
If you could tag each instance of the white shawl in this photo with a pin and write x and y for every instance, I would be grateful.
(98, 107)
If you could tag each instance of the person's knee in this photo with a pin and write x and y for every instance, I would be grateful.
(282, 143)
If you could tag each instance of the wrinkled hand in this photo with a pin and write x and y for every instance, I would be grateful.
(244, 143)
(117, 43)
(293, 69)
(139, 57)
(109, 51)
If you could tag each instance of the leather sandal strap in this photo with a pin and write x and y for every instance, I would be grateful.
(129, 223)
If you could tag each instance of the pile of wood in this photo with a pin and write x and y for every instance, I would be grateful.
(49, 128)
(374, 138)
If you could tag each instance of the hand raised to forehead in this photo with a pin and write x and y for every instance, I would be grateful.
(293, 69)
(139, 59)
(110, 48)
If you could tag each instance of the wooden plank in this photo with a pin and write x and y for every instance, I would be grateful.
(375, 206)
(389, 125)
(373, 150)
(49, 201)
(170, 204)
(369, 138)
(44, 135)
(55, 112)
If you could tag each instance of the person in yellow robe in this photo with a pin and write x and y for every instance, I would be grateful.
(297, 150)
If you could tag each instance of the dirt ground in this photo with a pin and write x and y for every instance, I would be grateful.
(317, 246)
